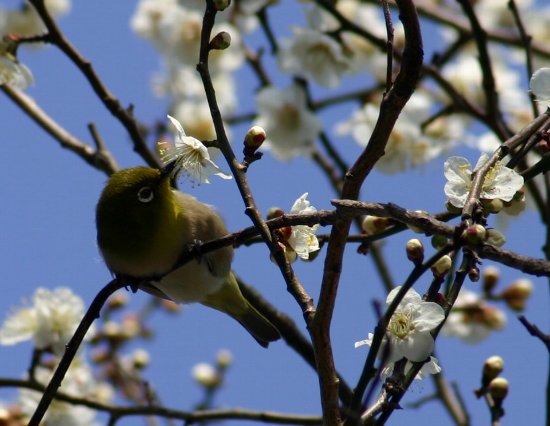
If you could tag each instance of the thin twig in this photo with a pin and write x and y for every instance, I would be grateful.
(293, 285)
(71, 349)
(125, 116)
(100, 159)
(119, 412)
(526, 40)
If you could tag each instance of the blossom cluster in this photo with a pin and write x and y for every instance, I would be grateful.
(50, 321)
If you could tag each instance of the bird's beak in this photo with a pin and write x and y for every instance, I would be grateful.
(167, 173)
(167, 170)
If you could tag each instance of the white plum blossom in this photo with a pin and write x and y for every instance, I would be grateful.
(540, 85)
(303, 239)
(410, 145)
(175, 30)
(149, 16)
(290, 127)
(538, 24)
(195, 117)
(183, 83)
(408, 331)
(430, 367)
(205, 375)
(25, 21)
(244, 13)
(500, 182)
(363, 54)
(78, 382)
(50, 321)
(315, 56)
(466, 76)
(495, 14)
(13, 72)
(471, 319)
(191, 157)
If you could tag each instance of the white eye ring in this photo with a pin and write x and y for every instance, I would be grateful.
(145, 194)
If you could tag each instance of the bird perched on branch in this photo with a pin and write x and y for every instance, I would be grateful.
(144, 224)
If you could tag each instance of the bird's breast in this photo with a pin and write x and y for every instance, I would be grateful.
(190, 283)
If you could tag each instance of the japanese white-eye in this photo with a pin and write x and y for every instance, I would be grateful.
(143, 226)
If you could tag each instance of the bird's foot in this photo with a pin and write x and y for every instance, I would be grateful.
(129, 283)
(194, 249)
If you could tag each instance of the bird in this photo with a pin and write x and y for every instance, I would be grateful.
(144, 224)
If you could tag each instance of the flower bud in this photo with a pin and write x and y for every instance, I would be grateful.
(474, 234)
(495, 238)
(442, 266)
(517, 293)
(373, 224)
(111, 329)
(473, 274)
(284, 233)
(492, 367)
(415, 251)
(221, 4)
(255, 137)
(274, 212)
(290, 255)
(493, 318)
(140, 359)
(206, 375)
(130, 326)
(491, 275)
(224, 359)
(439, 241)
(492, 206)
(117, 301)
(451, 208)
(221, 41)
(498, 388)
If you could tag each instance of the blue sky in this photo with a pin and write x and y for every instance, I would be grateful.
(48, 240)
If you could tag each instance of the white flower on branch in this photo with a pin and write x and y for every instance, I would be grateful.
(78, 382)
(25, 21)
(206, 375)
(191, 157)
(290, 127)
(175, 30)
(303, 239)
(540, 85)
(408, 331)
(50, 321)
(315, 56)
(500, 182)
(430, 367)
(411, 144)
(471, 319)
(12, 71)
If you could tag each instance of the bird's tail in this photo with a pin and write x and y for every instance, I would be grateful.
(231, 301)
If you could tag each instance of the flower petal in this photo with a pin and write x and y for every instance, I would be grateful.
(177, 125)
(410, 297)
(430, 315)
(540, 84)
(416, 348)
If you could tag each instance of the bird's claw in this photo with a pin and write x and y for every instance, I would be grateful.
(194, 249)
(128, 282)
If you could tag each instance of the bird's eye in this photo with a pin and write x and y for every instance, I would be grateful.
(145, 194)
